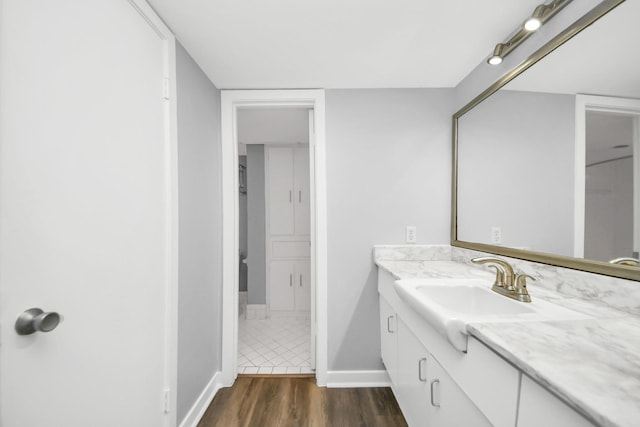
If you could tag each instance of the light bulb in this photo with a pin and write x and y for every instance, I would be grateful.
(495, 60)
(535, 21)
(532, 24)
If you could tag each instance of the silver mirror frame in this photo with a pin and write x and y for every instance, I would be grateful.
(632, 273)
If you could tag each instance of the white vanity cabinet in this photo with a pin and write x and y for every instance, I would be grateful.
(439, 386)
(449, 405)
(435, 384)
(388, 340)
(538, 407)
(426, 393)
(412, 391)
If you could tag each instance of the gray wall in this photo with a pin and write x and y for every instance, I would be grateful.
(256, 282)
(388, 166)
(515, 158)
(200, 232)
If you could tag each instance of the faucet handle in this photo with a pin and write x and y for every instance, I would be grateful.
(521, 287)
(499, 282)
(504, 268)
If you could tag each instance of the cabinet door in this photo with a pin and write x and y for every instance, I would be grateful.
(281, 285)
(388, 340)
(280, 190)
(301, 186)
(448, 404)
(538, 407)
(302, 282)
(413, 386)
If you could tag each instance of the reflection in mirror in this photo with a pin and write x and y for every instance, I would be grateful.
(544, 168)
(609, 219)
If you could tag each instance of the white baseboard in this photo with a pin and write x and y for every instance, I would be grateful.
(361, 379)
(256, 311)
(202, 403)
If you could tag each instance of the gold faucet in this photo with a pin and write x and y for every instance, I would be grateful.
(507, 283)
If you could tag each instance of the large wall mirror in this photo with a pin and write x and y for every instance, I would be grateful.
(547, 160)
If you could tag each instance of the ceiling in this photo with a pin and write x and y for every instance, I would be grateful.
(602, 60)
(270, 44)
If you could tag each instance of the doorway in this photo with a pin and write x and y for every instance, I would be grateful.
(274, 330)
(607, 192)
(232, 102)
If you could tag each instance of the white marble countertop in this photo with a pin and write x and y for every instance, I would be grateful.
(593, 364)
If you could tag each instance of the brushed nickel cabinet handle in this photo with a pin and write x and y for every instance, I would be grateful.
(389, 324)
(291, 280)
(433, 400)
(420, 363)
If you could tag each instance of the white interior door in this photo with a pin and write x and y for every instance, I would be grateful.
(84, 213)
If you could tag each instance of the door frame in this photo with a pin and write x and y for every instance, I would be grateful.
(170, 392)
(231, 101)
(605, 104)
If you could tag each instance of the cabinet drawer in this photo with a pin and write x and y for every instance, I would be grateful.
(289, 249)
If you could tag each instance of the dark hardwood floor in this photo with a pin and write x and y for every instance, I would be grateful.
(284, 402)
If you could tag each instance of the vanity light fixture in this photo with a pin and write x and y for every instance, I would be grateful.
(535, 21)
(541, 14)
(496, 58)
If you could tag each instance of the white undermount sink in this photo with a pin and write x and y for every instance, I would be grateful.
(449, 305)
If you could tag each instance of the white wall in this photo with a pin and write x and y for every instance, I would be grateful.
(273, 125)
(515, 159)
(388, 166)
(200, 232)
(256, 281)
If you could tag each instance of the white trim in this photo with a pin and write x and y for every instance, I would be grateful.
(256, 311)
(636, 186)
(579, 184)
(230, 101)
(362, 379)
(586, 103)
(171, 184)
(201, 404)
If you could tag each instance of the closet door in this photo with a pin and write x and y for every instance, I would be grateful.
(302, 196)
(281, 280)
(303, 288)
(280, 180)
